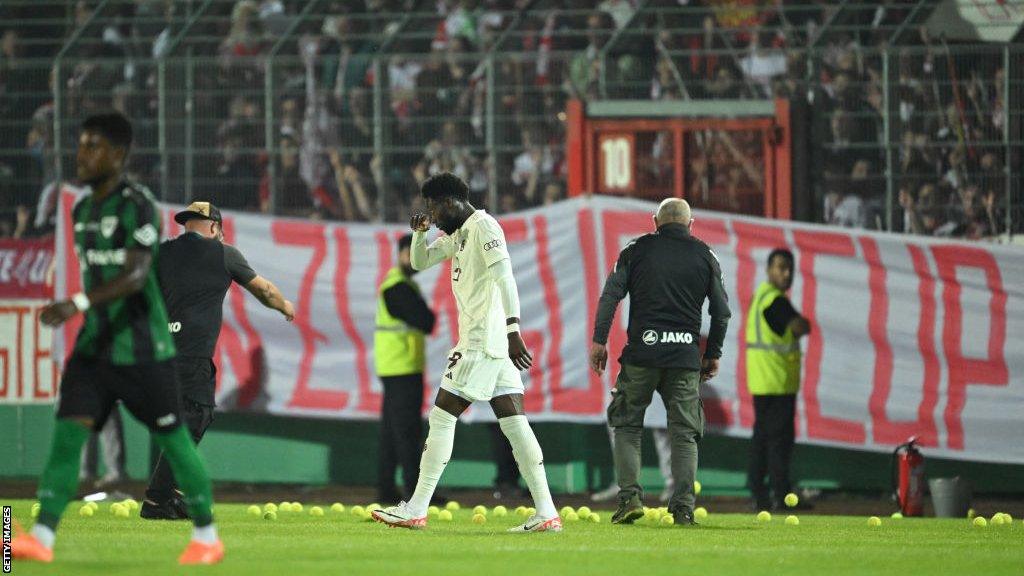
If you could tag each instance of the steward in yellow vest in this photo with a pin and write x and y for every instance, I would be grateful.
(403, 321)
(773, 331)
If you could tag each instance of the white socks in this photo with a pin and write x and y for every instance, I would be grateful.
(436, 453)
(44, 534)
(207, 534)
(528, 455)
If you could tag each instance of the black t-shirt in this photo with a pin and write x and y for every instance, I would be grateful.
(195, 274)
(780, 314)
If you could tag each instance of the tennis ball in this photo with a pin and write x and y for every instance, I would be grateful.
(791, 500)
(531, 511)
(270, 507)
(572, 516)
(86, 511)
(132, 503)
(122, 511)
(565, 511)
(482, 510)
(296, 506)
(254, 510)
(452, 506)
(792, 521)
(997, 519)
(316, 511)
(521, 510)
(700, 513)
(696, 487)
(1007, 519)
(115, 507)
(284, 506)
(366, 516)
(500, 511)
(668, 520)
(35, 510)
(445, 515)
(337, 507)
(93, 505)
(595, 518)
(358, 511)
(971, 514)
(270, 515)
(583, 512)
(479, 518)
(874, 521)
(432, 511)
(897, 516)
(374, 506)
(652, 514)
(980, 521)
(764, 516)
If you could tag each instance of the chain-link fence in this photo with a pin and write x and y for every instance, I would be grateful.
(319, 111)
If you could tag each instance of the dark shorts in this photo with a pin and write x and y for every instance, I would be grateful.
(90, 388)
(197, 379)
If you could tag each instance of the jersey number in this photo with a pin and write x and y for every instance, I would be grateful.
(453, 359)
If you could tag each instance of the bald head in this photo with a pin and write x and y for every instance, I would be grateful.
(673, 211)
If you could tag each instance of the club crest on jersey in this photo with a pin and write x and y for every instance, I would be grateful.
(107, 226)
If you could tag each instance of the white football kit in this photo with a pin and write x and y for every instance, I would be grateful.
(479, 367)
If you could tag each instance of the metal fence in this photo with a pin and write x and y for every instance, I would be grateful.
(340, 116)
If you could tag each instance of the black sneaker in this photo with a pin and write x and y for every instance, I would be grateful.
(684, 518)
(629, 511)
(173, 509)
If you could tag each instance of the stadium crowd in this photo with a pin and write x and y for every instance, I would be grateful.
(945, 124)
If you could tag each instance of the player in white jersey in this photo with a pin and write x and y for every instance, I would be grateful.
(485, 363)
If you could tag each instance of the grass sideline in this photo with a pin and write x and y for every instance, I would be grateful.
(725, 544)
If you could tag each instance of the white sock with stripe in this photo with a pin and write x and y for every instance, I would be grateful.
(436, 453)
(530, 458)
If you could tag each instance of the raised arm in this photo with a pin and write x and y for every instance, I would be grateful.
(422, 256)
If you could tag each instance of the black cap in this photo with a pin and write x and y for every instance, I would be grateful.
(201, 210)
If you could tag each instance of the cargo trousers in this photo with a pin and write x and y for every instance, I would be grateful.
(679, 389)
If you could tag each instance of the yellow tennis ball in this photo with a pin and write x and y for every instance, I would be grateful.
(358, 511)
(520, 510)
(366, 516)
(254, 510)
(500, 511)
(791, 500)
(115, 507)
(432, 511)
(595, 518)
(897, 516)
(700, 513)
(482, 510)
(565, 511)
(122, 511)
(95, 507)
(792, 521)
(132, 503)
(764, 516)
(86, 511)
(652, 514)
(479, 518)
(874, 521)
(374, 506)
(452, 506)
(531, 511)
(696, 487)
(971, 514)
(270, 515)
(316, 511)
(445, 515)
(337, 507)
(571, 517)
(296, 506)
(285, 506)
(668, 520)
(980, 521)
(270, 507)
(583, 512)
(997, 519)
(35, 510)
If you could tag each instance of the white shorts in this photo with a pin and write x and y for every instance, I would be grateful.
(475, 376)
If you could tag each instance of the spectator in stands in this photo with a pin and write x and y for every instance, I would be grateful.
(292, 194)
(620, 11)
(236, 184)
(585, 68)
(553, 192)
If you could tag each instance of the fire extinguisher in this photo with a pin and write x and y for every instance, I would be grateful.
(908, 478)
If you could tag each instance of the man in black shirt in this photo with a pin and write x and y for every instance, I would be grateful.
(195, 271)
(403, 320)
(668, 274)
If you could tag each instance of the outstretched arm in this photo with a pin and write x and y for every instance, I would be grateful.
(268, 295)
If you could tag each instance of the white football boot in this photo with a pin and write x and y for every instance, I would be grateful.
(400, 517)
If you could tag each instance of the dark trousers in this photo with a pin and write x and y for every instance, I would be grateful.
(197, 418)
(401, 433)
(771, 448)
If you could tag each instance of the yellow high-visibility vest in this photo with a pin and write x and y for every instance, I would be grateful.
(398, 349)
(773, 361)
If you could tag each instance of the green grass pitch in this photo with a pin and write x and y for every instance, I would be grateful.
(340, 543)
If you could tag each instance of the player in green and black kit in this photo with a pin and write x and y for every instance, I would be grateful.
(123, 351)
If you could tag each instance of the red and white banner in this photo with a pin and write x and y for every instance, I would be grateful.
(27, 374)
(911, 336)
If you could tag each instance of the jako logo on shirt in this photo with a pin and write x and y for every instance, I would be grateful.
(174, 327)
(651, 337)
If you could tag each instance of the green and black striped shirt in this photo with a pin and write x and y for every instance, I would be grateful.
(131, 330)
